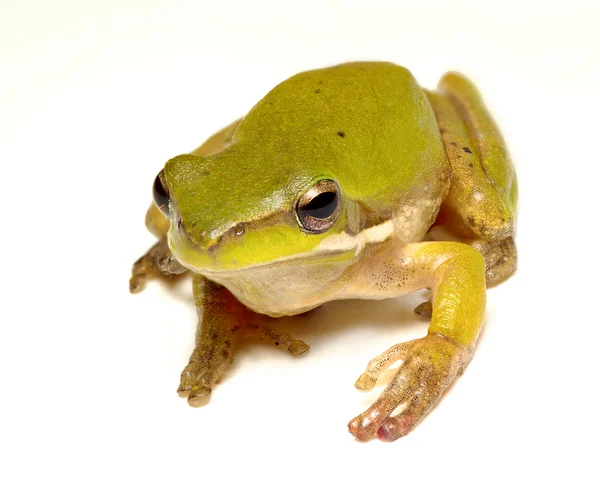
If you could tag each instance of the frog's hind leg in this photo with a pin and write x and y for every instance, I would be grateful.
(480, 208)
(484, 185)
(500, 259)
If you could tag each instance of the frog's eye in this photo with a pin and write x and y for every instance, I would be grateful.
(319, 207)
(160, 193)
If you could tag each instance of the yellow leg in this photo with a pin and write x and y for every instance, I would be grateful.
(500, 255)
(456, 275)
(500, 263)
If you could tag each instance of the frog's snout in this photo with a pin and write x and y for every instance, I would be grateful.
(199, 249)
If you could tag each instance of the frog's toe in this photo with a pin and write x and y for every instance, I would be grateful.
(197, 391)
(136, 283)
(196, 384)
(395, 427)
(424, 309)
(139, 275)
(380, 363)
(189, 378)
(201, 374)
(199, 396)
(422, 399)
(279, 339)
(363, 426)
(430, 365)
(297, 347)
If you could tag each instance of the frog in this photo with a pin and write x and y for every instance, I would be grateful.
(345, 182)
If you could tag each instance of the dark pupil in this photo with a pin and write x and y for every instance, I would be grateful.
(322, 205)
(161, 197)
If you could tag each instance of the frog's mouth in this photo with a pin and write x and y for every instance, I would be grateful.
(199, 261)
(341, 248)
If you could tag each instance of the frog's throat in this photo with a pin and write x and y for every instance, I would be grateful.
(339, 248)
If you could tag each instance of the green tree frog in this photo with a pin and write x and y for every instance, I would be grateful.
(344, 182)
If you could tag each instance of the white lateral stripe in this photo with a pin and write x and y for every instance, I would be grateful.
(344, 242)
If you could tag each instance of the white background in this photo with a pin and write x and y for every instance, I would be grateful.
(96, 96)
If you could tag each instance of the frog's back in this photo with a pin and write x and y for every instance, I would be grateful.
(367, 124)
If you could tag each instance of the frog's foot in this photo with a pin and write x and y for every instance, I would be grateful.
(204, 370)
(424, 309)
(282, 340)
(158, 260)
(500, 259)
(429, 366)
(210, 360)
(224, 322)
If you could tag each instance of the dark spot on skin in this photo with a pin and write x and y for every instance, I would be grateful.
(225, 353)
(205, 173)
(467, 150)
(320, 82)
(276, 343)
(318, 90)
(215, 336)
(235, 329)
(228, 343)
(471, 220)
(453, 144)
(471, 165)
(341, 134)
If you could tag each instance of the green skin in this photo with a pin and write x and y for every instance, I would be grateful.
(427, 200)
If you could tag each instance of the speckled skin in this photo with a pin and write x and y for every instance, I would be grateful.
(429, 201)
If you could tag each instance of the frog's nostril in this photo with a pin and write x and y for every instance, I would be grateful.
(239, 229)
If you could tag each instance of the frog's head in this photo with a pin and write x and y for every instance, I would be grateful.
(233, 211)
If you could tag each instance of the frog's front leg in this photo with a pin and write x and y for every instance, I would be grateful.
(500, 262)
(456, 275)
(223, 323)
(157, 260)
